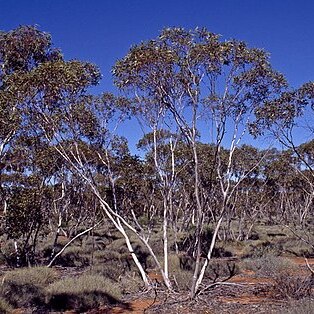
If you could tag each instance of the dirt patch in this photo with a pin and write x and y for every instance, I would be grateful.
(134, 307)
(242, 279)
(155, 276)
(245, 299)
(300, 261)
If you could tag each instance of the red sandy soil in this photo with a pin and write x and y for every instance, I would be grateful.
(135, 307)
(246, 278)
(300, 261)
(247, 300)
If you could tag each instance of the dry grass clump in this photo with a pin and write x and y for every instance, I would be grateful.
(305, 306)
(24, 287)
(34, 276)
(5, 307)
(182, 274)
(130, 284)
(108, 270)
(73, 256)
(269, 265)
(287, 286)
(82, 293)
(288, 281)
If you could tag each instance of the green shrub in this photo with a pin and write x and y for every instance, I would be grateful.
(117, 246)
(35, 276)
(82, 293)
(95, 243)
(180, 270)
(107, 256)
(296, 247)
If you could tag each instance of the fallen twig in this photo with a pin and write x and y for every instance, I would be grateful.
(222, 283)
(308, 266)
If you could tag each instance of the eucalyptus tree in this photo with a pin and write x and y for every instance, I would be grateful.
(21, 51)
(286, 117)
(198, 84)
(34, 80)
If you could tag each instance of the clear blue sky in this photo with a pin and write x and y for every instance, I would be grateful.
(102, 31)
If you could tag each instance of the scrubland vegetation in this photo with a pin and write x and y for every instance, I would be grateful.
(86, 224)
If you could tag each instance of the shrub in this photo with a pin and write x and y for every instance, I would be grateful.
(82, 293)
(110, 271)
(182, 279)
(73, 256)
(130, 284)
(269, 265)
(107, 256)
(24, 287)
(305, 306)
(287, 283)
(117, 245)
(287, 286)
(35, 276)
(262, 248)
(219, 270)
(298, 248)
(5, 307)
(180, 268)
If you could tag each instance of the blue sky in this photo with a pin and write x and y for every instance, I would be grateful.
(102, 31)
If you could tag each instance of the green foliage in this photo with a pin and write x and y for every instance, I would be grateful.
(23, 212)
(180, 273)
(110, 270)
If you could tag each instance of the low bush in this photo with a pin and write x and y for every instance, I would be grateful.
(82, 293)
(73, 256)
(183, 279)
(106, 256)
(24, 287)
(297, 247)
(221, 270)
(260, 248)
(5, 307)
(109, 270)
(287, 286)
(181, 270)
(130, 284)
(35, 276)
(269, 265)
(304, 306)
